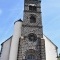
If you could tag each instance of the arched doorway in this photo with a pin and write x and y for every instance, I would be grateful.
(31, 55)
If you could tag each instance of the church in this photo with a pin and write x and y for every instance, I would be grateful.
(28, 41)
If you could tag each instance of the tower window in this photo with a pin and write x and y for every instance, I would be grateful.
(31, 54)
(32, 19)
(32, 37)
(33, 0)
(32, 8)
(30, 57)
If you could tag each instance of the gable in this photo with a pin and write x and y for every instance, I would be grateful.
(5, 49)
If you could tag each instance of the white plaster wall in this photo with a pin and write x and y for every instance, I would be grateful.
(15, 40)
(51, 53)
(5, 50)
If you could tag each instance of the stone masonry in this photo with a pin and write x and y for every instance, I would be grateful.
(32, 44)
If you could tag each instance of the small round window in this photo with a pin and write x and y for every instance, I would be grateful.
(32, 37)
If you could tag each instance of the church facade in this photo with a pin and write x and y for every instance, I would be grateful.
(28, 41)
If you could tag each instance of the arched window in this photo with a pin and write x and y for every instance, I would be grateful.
(31, 54)
(32, 19)
(30, 57)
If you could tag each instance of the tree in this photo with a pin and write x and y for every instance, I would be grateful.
(59, 57)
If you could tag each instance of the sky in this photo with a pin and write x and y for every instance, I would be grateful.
(12, 10)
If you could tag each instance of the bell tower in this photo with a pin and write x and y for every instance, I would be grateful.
(31, 44)
(32, 16)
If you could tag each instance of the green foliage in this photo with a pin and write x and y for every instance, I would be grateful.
(59, 57)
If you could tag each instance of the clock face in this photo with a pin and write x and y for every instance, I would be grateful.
(32, 37)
